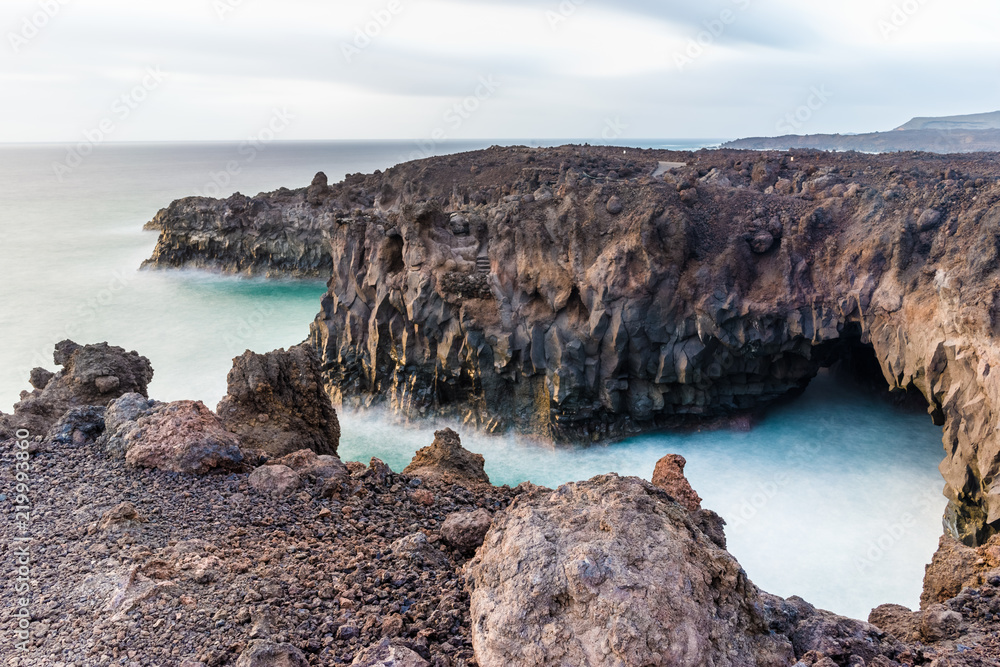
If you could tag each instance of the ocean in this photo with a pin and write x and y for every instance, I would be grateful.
(834, 497)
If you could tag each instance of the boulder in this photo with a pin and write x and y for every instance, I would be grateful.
(445, 460)
(261, 653)
(466, 531)
(308, 464)
(276, 403)
(92, 375)
(955, 566)
(417, 550)
(120, 418)
(612, 572)
(897, 620)
(185, 437)
(389, 654)
(78, 425)
(275, 480)
(123, 514)
(669, 476)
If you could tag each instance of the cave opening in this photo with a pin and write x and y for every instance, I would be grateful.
(392, 254)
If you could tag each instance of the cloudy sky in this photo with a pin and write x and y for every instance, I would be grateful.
(137, 70)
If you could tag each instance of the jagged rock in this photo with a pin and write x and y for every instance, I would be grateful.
(318, 190)
(78, 425)
(276, 480)
(262, 653)
(611, 572)
(939, 622)
(953, 567)
(445, 460)
(713, 525)
(466, 531)
(389, 654)
(669, 476)
(184, 436)
(83, 381)
(276, 403)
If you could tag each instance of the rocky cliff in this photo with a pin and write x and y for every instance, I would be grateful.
(935, 138)
(586, 293)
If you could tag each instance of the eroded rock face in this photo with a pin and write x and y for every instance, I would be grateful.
(92, 375)
(445, 460)
(276, 403)
(611, 572)
(719, 286)
(185, 437)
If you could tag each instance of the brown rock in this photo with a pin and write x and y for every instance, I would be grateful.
(669, 476)
(389, 654)
(952, 566)
(184, 436)
(307, 463)
(609, 572)
(275, 480)
(122, 514)
(465, 531)
(898, 621)
(261, 653)
(276, 403)
(422, 497)
(445, 460)
(939, 622)
(614, 205)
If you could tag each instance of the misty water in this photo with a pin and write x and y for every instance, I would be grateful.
(834, 497)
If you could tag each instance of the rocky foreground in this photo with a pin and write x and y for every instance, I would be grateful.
(159, 536)
(589, 293)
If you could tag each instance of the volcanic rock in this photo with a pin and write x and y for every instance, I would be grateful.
(276, 403)
(261, 653)
(956, 566)
(445, 460)
(184, 436)
(389, 654)
(611, 572)
(669, 476)
(466, 531)
(85, 380)
(78, 425)
(276, 480)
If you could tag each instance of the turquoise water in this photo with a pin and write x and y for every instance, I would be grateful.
(835, 497)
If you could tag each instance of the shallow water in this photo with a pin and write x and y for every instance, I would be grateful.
(835, 497)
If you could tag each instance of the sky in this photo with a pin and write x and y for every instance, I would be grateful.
(204, 70)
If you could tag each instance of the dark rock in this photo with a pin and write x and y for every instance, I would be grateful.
(276, 403)
(465, 531)
(40, 377)
(614, 206)
(78, 425)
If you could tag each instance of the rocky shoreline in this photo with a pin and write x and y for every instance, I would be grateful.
(193, 554)
(587, 293)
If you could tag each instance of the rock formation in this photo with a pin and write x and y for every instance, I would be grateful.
(952, 140)
(498, 287)
(92, 375)
(669, 476)
(276, 403)
(445, 460)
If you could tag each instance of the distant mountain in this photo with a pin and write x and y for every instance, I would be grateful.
(971, 133)
(977, 121)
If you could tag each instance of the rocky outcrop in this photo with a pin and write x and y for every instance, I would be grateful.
(184, 436)
(499, 288)
(445, 460)
(613, 572)
(956, 566)
(276, 403)
(951, 140)
(91, 376)
(669, 476)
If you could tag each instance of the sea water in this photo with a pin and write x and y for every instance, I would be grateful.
(834, 497)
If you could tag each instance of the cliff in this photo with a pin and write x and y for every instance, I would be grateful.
(976, 121)
(583, 293)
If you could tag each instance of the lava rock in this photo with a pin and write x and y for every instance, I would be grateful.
(669, 476)
(445, 460)
(389, 654)
(276, 403)
(184, 436)
(275, 480)
(466, 531)
(261, 653)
